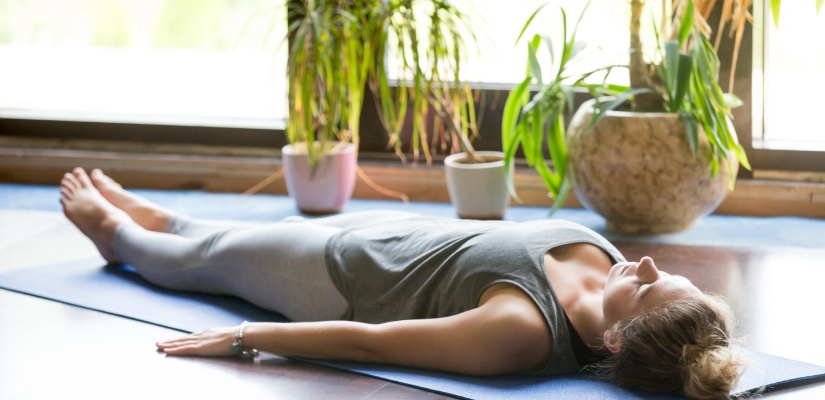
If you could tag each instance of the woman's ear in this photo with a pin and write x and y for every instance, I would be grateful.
(611, 342)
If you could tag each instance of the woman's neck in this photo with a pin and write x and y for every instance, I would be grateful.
(578, 273)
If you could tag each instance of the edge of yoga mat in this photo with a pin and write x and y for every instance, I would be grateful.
(116, 289)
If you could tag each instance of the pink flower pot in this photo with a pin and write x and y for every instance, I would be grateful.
(326, 189)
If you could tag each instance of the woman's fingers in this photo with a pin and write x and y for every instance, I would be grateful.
(213, 342)
(177, 343)
(183, 350)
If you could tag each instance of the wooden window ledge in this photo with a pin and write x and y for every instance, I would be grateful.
(175, 167)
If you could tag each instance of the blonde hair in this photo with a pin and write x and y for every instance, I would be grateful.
(683, 346)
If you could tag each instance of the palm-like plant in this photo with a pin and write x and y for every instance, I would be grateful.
(686, 80)
(682, 77)
(429, 40)
(327, 72)
(340, 48)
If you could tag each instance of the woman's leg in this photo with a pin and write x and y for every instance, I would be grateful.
(154, 217)
(356, 219)
(279, 267)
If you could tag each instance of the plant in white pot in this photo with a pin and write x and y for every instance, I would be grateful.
(432, 40)
(339, 49)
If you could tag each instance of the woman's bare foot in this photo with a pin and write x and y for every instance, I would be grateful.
(145, 213)
(90, 212)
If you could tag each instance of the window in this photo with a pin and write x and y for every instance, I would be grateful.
(170, 63)
(498, 23)
(776, 125)
(794, 62)
(189, 62)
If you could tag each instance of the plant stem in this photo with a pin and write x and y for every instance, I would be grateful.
(440, 108)
(638, 69)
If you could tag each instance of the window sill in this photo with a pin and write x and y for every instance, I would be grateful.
(237, 169)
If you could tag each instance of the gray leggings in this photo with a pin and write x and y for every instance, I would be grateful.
(280, 267)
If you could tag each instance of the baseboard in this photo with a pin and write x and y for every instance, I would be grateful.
(228, 171)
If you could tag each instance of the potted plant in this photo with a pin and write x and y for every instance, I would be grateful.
(662, 152)
(327, 71)
(537, 123)
(338, 50)
(431, 40)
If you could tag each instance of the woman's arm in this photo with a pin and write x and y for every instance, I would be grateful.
(505, 334)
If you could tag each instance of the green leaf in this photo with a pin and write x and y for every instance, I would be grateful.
(578, 46)
(714, 162)
(742, 156)
(512, 107)
(558, 201)
(775, 10)
(569, 95)
(568, 45)
(548, 41)
(534, 152)
(671, 68)
(509, 149)
(682, 81)
(557, 144)
(733, 101)
(687, 23)
(692, 131)
(600, 109)
(526, 24)
(533, 61)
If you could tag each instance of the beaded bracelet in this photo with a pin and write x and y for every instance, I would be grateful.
(237, 345)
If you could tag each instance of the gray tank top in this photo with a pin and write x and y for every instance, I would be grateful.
(430, 267)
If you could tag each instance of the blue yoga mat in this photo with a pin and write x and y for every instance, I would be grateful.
(120, 291)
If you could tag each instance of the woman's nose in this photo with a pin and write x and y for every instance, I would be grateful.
(647, 270)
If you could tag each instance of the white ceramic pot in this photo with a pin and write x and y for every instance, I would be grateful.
(477, 191)
(329, 187)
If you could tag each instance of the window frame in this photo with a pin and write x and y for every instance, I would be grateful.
(374, 137)
(749, 119)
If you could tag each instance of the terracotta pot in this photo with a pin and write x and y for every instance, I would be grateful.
(638, 172)
(326, 189)
(477, 191)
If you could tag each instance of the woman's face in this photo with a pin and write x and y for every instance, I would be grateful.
(633, 287)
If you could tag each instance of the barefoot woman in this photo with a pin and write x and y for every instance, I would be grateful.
(473, 297)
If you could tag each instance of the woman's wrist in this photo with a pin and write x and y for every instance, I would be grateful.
(238, 346)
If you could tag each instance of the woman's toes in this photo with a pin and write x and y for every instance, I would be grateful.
(69, 181)
(103, 181)
(82, 178)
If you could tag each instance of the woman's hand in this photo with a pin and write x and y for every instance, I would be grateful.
(211, 342)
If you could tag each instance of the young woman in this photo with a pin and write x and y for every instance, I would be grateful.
(472, 297)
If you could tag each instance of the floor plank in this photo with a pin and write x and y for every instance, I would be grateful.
(52, 350)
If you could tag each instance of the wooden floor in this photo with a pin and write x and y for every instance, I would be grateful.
(52, 350)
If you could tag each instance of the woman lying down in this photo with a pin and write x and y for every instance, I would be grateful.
(472, 297)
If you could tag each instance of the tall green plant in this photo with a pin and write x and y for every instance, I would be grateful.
(536, 124)
(689, 76)
(338, 48)
(430, 40)
(327, 72)
(686, 80)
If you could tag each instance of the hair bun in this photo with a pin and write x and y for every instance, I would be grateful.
(710, 372)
